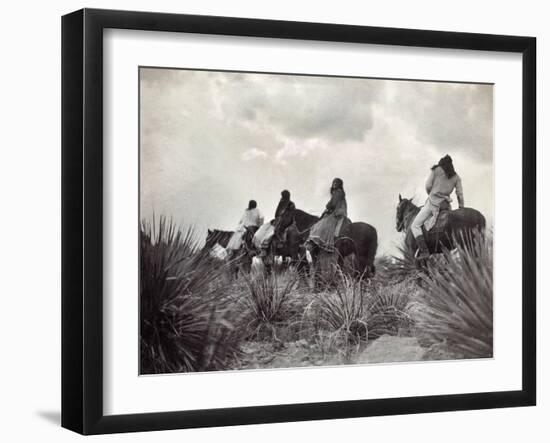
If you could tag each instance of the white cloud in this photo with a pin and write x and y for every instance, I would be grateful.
(253, 153)
(210, 141)
(298, 148)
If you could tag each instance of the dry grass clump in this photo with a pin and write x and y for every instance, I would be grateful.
(394, 269)
(343, 319)
(186, 322)
(341, 311)
(196, 316)
(388, 307)
(268, 302)
(457, 300)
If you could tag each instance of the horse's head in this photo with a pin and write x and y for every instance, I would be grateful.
(402, 209)
(285, 219)
(248, 236)
(211, 238)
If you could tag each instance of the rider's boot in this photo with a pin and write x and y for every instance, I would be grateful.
(423, 252)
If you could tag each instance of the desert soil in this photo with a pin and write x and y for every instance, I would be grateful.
(301, 353)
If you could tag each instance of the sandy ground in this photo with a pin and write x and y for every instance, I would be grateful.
(385, 349)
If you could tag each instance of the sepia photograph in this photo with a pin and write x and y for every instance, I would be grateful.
(293, 221)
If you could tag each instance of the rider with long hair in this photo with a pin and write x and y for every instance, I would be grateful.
(441, 182)
(324, 232)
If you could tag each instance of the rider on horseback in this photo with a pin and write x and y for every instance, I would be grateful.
(263, 237)
(251, 220)
(442, 181)
(285, 208)
(329, 226)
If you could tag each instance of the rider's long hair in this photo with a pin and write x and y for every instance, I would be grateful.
(337, 183)
(446, 164)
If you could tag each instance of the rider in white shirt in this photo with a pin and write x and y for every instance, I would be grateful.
(442, 181)
(252, 218)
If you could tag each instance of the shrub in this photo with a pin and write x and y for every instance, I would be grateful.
(267, 301)
(343, 310)
(397, 268)
(387, 307)
(186, 322)
(457, 300)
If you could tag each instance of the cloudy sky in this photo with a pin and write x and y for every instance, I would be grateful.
(211, 141)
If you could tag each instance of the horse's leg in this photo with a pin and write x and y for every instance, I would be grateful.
(299, 263)
(364, 267)
(340, 261)
(411, 247)
(324, 268)
(299, 260)
(246, 264)
(410, 243)
(313, 262)
(267, 259)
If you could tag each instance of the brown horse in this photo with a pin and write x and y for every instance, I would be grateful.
(459, 224)
(359, 239)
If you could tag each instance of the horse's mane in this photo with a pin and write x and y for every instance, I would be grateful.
(410, 208)
(410, 203)
(305, 214)
(219, 236)
(220, 232)
(303, 219)
(408, 211)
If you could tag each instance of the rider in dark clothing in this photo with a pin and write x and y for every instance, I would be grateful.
(284, 204)
(285, 208)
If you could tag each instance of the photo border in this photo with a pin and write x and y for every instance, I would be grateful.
(82, 220)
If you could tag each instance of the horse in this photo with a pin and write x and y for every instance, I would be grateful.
(290, 233)
(217, 236)
(243, 259)
(460, 224)
(358, 238)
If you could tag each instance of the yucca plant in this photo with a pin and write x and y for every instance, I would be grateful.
(457, 299)
(387, 307)
(398, 268)
(343, 310)
(186, 322)
(267, 301)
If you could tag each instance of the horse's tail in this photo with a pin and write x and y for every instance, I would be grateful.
(372, 254)
(482, 222)
(478, 222)
(481, 225)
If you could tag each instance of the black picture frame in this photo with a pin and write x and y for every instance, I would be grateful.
(82, 218)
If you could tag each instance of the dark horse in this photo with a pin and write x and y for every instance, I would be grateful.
(360, 239)
(460, 222)
(243, 260)
(216, 236)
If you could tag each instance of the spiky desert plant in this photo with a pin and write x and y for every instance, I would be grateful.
(387, 306)
(343, 309)
(399, 267)
(457, 299)
(267, 301)
(186, 323)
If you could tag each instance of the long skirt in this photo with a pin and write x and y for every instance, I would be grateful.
(324, 231)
